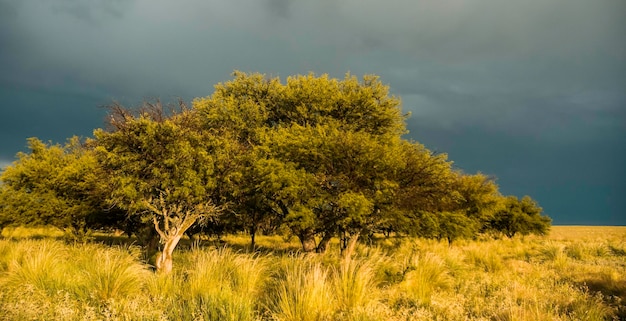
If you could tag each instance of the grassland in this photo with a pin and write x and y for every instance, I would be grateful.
(575, 273)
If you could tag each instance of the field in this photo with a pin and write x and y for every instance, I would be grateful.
(575, 273)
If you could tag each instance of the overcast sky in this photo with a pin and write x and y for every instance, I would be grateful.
(532, 92)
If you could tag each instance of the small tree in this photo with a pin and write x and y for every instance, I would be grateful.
(478, 198)
(52, 185)
(162, 168)
(455, 225)
(520, 216)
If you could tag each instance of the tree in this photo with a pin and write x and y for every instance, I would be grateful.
(271, 192)
(455, 225)
(479, 199)
(349, 172)
(52, 185)
(520, 216)
(426, 187)
(162, 168)
(310, 176)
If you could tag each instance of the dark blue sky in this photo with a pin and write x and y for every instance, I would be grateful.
(532, 92)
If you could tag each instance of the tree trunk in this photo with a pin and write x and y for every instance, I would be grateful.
(352, 243)
(164, 262)
(343, 241)
(307, 239)
(252, 242)
(252, 237)
(323, 245)
(149, 241)
(308, 244)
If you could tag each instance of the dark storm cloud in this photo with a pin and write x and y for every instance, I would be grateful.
(538, 79)
(92, 11)
(280, 8)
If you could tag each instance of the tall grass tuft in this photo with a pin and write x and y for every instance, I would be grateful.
(354, 283)
(426, 273)
(104, 273)
(38, 263)
(485, 259)
(224, 285)
(576, 250)
(5, 254)
(554, 252)
(301, 291)
(617, 248)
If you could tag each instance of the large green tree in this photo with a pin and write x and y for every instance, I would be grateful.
(325, 157)
(162, 168)
(320, 147)
(350, 172)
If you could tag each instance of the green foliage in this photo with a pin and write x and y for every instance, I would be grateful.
(327, 141)
(52, 185)
(479, 197)
(520, 216)
(147, 157)
(455, 225)
(312, 156)
(426, 180)
(162, 168)
(251, 101)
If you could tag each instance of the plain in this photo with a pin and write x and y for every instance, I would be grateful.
(574, 273)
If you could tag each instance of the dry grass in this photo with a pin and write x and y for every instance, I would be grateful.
(587, 233)
(575, 273)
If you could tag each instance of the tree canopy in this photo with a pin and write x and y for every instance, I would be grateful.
(51, 185)
(162, 168)
(519, 216)
(316, 156)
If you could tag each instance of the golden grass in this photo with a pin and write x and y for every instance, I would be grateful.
(587, 233)
(575, 273)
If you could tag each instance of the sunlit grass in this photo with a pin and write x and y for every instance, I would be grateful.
(354, 283)
(570, 275)
(36, 264)
(587, 233)
(31, 232)
(224, 284)
(103, 274)
(301, 290)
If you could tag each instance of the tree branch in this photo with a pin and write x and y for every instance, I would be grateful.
(158, 229)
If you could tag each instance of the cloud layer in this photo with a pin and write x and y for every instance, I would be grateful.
(515, 89)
